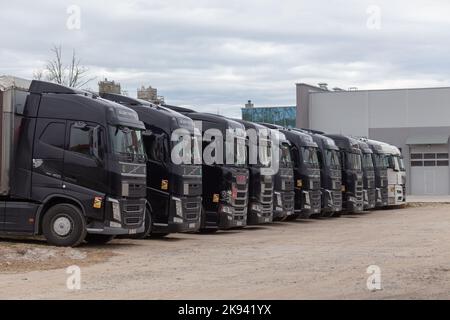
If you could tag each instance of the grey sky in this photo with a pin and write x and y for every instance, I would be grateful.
(215, 55)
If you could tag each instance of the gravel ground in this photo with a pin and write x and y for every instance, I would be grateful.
(308, 259)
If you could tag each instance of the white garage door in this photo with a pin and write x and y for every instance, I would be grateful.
(429, 173)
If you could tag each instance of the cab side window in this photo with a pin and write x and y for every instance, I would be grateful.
(155, 147)
(53, 135)
(80, 140)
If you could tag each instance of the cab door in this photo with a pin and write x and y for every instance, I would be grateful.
(85, 174)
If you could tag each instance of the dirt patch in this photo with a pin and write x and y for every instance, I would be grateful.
(18, 257)
(305, 259)
(427, 204)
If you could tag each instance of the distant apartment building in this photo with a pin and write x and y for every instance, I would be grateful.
(107, 86)
(150, 94)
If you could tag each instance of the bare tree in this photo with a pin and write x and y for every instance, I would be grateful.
(71, 75)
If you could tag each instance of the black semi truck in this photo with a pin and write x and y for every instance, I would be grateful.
(330, 174)
(72, 164)
(225, 185)
(368, 176)
(283, 195)
(306, 172)
(352, 174)
(380, 161)
(261, 183)
(174, 191)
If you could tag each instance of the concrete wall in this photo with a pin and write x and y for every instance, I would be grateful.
(386, 115)
(398, 137)
(404, 108)
(303, 104)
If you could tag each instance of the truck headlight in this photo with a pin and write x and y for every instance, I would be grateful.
(279, 199)
(178, 207)
(256, 207)
(117, 215)
(226, 209)
(177, 220)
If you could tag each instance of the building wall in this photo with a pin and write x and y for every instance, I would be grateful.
(387, 115)
(398, 137)
(303, 104)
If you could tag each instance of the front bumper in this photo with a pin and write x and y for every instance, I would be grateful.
(123, 216)
(231, 217)
(283, 205)
(185, 216)
(369, 199)
(260, 213)
(381, 197)
(331, 201)
(312, 203)
(353, 204)
(396, 195)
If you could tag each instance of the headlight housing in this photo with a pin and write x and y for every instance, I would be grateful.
(226, 209)
(115, 205)
(256, 207)
(178, 207)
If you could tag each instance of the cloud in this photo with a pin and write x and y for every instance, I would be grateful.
(215, 55)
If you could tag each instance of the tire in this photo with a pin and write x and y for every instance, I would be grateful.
(98, 238)
(147, 224)
(63, 225)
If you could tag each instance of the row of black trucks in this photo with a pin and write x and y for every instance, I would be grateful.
(80, 166)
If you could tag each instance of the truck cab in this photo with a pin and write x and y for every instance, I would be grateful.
(283, 195)
(368, 176)
(174, 191)
(380, 161)
(225, 183)
(306, 172)
(331, 175)
(396, 176)
(73, 164)
(352, 174)
(261, 181)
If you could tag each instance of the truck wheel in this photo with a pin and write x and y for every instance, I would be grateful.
(148, 225)
(98, 238)
(63, 225)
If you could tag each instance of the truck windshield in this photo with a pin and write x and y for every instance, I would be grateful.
(354, 161)
(396, 161)
(367, 161)
(332, 159)
(236, 150)
(381, 161)
(265, 154)
(126, 141)
(285, 156)
(309, 155)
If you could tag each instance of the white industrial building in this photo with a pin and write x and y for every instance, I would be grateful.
(415, 120)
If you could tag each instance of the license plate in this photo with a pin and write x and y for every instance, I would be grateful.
(191, 225)
(132, 231)
(239, 223)
(266, 220)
